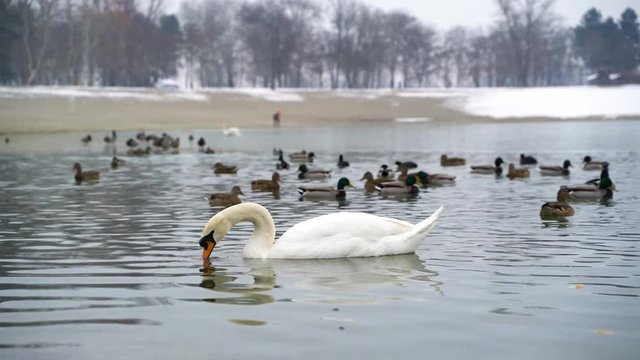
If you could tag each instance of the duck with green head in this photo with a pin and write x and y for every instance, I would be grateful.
(312, 174)
(326, 192)
(408, 186)
(559, 208)
(556, 170)
(435, 179)
(495, 169)
(603, 188)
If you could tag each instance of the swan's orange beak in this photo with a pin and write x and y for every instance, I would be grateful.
(206, 252)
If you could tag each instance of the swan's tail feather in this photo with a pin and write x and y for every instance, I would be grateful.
(427, 224)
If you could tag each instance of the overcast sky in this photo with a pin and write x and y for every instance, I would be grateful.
(473, 13)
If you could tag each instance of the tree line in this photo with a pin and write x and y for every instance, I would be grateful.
(303, 43)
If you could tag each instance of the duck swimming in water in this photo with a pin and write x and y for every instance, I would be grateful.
(326, 192)
(559, 208)
(556, 170)
(594, 190)
(495, 169)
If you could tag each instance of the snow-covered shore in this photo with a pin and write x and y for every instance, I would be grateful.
(44, 109)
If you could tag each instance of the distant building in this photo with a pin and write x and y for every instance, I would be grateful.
(167, 84)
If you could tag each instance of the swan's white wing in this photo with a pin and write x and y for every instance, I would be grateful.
(345, 234)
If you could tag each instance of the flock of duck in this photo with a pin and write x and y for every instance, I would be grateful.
(358, 227)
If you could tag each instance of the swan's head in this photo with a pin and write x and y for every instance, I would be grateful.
(214, 231)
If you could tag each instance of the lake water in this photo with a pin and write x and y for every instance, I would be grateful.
(113, 269)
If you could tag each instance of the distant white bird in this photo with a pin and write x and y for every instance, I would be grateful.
(232, 131)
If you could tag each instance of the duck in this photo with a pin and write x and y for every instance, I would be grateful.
(201, 142)
(556, 170)
(281, 164)
(514, 172)
(91, 175)
(496, 168)
(408, 186)
(527, 160)
(326, 192)
(302, 157)
(335, 235)
(590, 164)
(559, 208)
(595, 190)
(140, 152)
(110, 139)
(116, 163)
(220, 168)
(141, 135)
(385, 174)
(447, 161)
(131, 143)
(407, 164)
(190, 138)
(370, 184)
(342, 163)
(267, 185)
(87, 139)
(435, 179)
(208, 150)
(226, 199)
(312, 174)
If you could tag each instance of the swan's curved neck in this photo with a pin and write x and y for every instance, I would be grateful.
(261, 241)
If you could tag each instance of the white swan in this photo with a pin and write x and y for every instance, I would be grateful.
(337, 235)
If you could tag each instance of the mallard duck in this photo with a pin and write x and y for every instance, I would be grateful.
(201, 142)
(140, 152)
(527, 160)
(220, 168)
(110, 139)
(281, 164)
(514, 172)
(312, 174)
(590, 164)
(559, 208)
(408, 186)
(427, 179)
(267, 185)
(116, 163)
(370, 184)
(337, 235)
(385, 174)
(556, 170)
(131, 143)
(141, 136)
(434, 179)
(595, 190)
(302, 157)
(326, 192)
(495, 169)
(407, 164)
(447, 161)
(87, 139)
(226, 199)
(190, 138)
(342, 163)
(208, 150)
(91, 175)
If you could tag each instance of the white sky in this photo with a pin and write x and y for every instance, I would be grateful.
(444, 14)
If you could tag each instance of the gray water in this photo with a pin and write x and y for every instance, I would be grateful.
(113, 269)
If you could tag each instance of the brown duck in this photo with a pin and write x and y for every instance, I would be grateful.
(447, 161)
(226, 199)
(371, 183)
(267, 185)
(91, 175)
(560, 208)
(116, 163)
(517, 172)
(220, 168)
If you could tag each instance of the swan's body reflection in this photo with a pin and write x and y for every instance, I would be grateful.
(341, 275)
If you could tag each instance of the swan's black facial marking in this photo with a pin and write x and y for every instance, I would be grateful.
(207, 238)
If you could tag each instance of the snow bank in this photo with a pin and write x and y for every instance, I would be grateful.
(553, 102)
(262, 93)
(141, 94)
